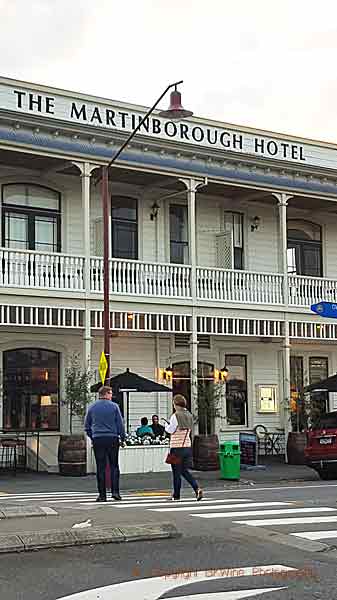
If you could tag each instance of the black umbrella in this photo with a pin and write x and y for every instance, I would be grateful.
(329, 385)
(131, 382)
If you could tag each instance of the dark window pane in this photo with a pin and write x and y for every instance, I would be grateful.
(179, 253)
(236, 389)
(178, 223)
(124, 208)
(16, 231)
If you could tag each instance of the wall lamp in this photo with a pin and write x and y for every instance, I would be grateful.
(154, 211)
(255, 223)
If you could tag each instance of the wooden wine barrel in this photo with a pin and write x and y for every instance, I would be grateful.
(205, 453)
(295, 448)
(72, 455)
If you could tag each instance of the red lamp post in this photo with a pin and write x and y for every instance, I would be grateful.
(174, 112)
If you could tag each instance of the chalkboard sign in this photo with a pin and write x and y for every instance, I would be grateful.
(248, 448)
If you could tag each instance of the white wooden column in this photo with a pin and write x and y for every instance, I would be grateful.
(192, 186)
(282, 199)
(86, 169)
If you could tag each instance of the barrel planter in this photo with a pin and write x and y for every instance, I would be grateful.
(205, 453)
(296, 444)
(72, 455)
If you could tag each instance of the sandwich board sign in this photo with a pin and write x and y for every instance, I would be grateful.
(325, 309)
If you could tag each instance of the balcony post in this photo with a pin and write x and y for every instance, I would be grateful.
(86, 169)
(192, 186)
(282, 199)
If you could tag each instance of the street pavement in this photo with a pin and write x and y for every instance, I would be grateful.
(276, 527)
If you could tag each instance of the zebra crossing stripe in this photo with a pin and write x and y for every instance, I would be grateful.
(317, 535)
(181, 502)
(256, 513)
(217, 507)
(287, 521)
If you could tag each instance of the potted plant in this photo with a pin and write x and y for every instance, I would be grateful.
(72, 453)
(206, 443)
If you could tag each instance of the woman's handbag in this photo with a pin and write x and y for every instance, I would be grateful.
(173, 459)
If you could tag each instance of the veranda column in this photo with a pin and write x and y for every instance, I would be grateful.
(282, 199)
(192, 185)
(86, 169)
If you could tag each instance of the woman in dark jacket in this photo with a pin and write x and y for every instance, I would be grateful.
(180, 428)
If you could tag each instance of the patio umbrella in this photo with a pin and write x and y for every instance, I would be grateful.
(131, 382)
(329, 385)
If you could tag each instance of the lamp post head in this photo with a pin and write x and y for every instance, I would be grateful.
(175, 111)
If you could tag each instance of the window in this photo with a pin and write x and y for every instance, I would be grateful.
(181, 384)
(31, 389)
(297, 409)
(178, 234)
(234, 224)
(304, 248)
(236, 389)
(31, 218)
(124, 222)
(319, 400)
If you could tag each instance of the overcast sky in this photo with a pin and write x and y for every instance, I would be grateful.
(269, 64)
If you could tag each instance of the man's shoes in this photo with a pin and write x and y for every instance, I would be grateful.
(100, 499)
(199, 494)
(116, 497)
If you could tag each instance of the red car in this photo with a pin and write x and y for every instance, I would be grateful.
(321, 449)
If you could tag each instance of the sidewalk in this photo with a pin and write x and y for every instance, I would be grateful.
(275, 472)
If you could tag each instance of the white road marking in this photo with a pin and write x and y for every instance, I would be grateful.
(255, 488)
(220, 506)
(282, 511)
(295, 521)
(168, 503)
(317, 535)
(154, 588)
(48, 510)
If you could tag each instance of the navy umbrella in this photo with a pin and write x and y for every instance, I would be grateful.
(329, 385)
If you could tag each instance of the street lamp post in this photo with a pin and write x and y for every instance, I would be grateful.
(174, 112)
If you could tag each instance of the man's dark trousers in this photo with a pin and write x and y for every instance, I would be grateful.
(106, 448)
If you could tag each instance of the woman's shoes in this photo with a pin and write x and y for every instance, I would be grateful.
(199, 494)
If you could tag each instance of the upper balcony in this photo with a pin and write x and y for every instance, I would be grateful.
(159, 281)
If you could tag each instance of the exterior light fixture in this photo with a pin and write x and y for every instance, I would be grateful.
(168, 374)
(255, 223)
(154, 211)
(223, 373)
(175, 111)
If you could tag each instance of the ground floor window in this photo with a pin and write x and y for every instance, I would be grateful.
(181, 384)
(236, 390)
(306, 409)
(31, 389)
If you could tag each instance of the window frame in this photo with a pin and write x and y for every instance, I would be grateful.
(246, 407)
(184, 244)
(31, 213)
(300, 244)
(127, 221)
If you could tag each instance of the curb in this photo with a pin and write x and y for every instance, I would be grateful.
(19, 512)
(61, 538)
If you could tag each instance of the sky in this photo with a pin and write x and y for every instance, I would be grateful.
(268, 64)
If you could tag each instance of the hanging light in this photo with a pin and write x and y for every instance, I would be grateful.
(168, 374)
(224, 372)
(175, 111)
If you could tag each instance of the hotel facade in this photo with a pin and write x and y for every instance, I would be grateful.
(221, 238)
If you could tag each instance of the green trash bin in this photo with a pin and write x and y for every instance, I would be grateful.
(229, 459)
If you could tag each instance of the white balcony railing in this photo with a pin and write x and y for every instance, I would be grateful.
(239, 286)
(137, 278)
(40, 270)
(304, 291)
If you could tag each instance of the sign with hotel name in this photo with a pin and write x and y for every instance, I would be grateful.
(115, 117)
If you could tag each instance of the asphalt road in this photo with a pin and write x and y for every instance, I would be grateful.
(212, 544)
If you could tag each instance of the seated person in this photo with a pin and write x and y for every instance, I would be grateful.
(145, 428)
(158, 430)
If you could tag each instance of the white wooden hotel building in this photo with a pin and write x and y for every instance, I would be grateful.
(221, 238)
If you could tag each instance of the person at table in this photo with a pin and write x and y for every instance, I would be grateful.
(158, 430)
(144, 428)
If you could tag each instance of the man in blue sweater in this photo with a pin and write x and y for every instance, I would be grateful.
(104, 426)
